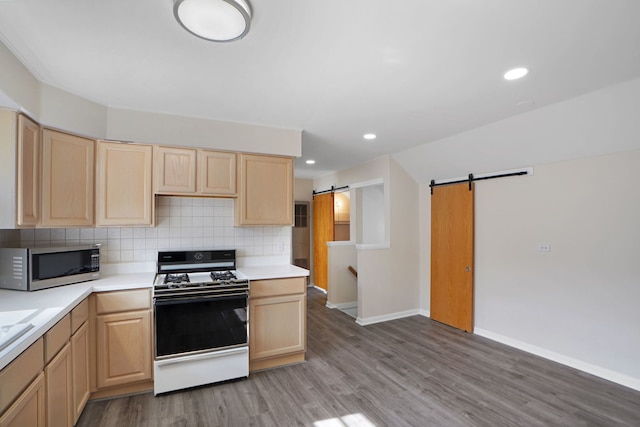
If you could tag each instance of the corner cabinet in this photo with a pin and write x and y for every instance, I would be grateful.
(20, 149)
(123, 184)
(265, 196)
(277, 322)
(67, 180)
(28, 173)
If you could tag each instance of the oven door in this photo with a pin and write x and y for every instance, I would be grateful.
(198, 324)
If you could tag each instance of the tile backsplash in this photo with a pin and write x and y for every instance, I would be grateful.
(181, 223)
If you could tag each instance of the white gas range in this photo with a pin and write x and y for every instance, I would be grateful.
(200, 307)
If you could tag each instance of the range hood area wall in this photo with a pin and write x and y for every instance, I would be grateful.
(182, 223)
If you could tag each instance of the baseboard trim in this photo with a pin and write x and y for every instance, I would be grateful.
(343, 305)
(607, 374)
(364, 321)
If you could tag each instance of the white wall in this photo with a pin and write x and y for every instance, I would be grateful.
(182, 223)
(20, 90)
(371, 215)
(581, 299)
(601, 122)
(576, 304)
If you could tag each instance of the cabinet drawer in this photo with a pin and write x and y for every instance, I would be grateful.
(114, 302)
(272, 287)
(19, 373)
(56, 338)
(79, 315)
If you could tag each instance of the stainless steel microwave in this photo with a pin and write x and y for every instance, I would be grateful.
(32, 269)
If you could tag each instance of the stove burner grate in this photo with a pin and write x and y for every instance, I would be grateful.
(176, 278)
(223, 275)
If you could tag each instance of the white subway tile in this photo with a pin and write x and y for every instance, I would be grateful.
(126, 256)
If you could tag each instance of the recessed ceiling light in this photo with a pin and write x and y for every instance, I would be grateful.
(369, 136)
(516, 73)
(310, 162)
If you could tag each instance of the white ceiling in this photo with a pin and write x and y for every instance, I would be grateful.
(411, 71)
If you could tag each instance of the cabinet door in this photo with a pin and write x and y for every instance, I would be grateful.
(67, 180)
(175, 170)
(123, 348)
(216, 173)
(80, 360)
(266, 190)
(28, 173)
(123, 184)
(277, 326)
(29, 409)
(59, 395)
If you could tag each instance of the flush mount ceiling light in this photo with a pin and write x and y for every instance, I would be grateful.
(369, 136)
(516, 73)
(310, 162)
(215, 20)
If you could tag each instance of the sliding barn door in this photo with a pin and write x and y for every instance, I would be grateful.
(322, 233)
(452, 255)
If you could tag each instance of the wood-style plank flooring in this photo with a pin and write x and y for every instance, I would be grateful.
(406, 372)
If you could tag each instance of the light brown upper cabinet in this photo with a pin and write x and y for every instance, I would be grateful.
(123, 184)
(28, 173)
(175, 170)
(67, 180)
(265, 196)
(194, 172)
(20, 145)
(216, 173)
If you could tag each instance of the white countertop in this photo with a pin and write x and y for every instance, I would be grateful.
(263, 272)
(46, 307)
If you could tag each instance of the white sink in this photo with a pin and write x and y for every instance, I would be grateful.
(10, 333)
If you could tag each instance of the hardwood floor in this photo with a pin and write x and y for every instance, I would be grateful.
(406, 372)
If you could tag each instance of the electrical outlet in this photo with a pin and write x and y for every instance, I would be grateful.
(544, 247)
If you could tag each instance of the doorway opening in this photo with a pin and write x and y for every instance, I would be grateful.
(300, 245)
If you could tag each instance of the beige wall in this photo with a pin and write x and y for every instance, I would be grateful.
(156, 128)
(21, 88)
(72, 113)
(303, 190)
(344, 286)
(387, 273)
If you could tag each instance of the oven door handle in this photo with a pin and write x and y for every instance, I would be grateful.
(214, 355)
(178, 299)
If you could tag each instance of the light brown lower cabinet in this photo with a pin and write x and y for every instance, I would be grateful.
(123, 338)
(59, 393)
(277, 322)
(29, 408)
(80, 370)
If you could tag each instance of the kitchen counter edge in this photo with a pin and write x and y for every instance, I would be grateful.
(44, 308)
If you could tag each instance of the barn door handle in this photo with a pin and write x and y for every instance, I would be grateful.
(467, 269)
